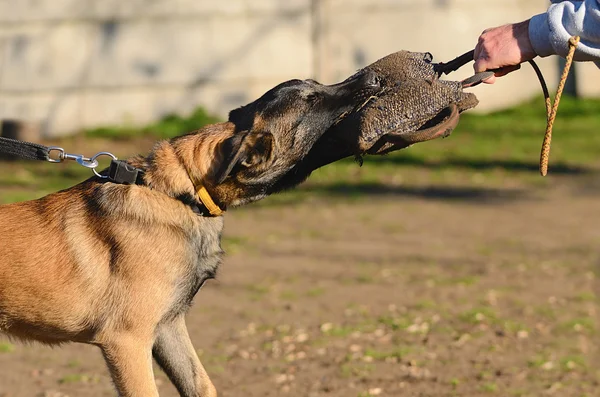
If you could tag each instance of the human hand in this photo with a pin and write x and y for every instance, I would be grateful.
(504, 47)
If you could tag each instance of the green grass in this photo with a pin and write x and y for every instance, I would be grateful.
(6, 347)
(398, 353)
(479, 315)
(583, 324)
(75, 378)
(315, 292)
(356, 370)
(233, 244)
(516, 133)
(488, 150)
(258, 291)
(454, 382)
(168, 127)
(489, 388)
(571, 363)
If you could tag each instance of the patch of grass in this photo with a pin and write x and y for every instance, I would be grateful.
(586, 296)
(573, 362)
(453, 281)
(359, 370)
(397, 352)
(364, 278)
(517, 393)
(258, 291)
(583, 324)
(6, 347)
(168, 127)
(479, 315)
(215, 363)
(75, 378)
(454, 382)
(233, 244)
(489, 387)
(546, 312)
(315, 292)
(467, 280)
(288, 295)
(215, 368)
(537, 361)
(524, 125)
(340, 331)
(312, 234)
(484, 375)
(486, 250)
(425, 304)
(484, 149)
(512, 327)
(394, 322)
(73, 364)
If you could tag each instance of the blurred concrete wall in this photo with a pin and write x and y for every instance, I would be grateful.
(71, 64)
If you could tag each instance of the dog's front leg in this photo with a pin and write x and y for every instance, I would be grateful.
(129, 360)
(174, 352)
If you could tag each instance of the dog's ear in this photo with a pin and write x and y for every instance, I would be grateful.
(243, 117)
(241, 150)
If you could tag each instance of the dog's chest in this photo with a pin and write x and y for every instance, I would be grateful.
(205, 256)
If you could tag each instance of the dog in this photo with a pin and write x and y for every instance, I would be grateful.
(118, 265)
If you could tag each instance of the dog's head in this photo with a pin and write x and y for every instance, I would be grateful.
(244, 159)
(276, 141)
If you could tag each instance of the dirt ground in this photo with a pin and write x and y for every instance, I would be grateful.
(432, 291)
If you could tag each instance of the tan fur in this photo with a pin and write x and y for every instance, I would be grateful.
(59, 277)
(118, 265)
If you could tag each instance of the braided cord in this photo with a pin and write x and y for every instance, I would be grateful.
(552, 108)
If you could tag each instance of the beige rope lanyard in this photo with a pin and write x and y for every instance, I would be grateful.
(552, 108)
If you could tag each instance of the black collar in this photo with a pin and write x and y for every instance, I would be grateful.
(126, 174)
(194, 204)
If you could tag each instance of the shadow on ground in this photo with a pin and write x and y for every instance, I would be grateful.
(458, 193)
(558, 168)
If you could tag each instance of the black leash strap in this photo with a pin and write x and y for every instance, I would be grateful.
(119, 171)
(477, 78)
(24, 150)
(455, 64)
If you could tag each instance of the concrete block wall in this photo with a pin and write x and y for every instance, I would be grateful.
(73, 64)
(363, 31)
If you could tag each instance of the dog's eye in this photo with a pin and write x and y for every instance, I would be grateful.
(312, 97)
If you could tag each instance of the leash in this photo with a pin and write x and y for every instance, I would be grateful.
(551, 106)
(119, 171)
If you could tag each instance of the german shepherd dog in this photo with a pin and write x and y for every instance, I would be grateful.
(118, 265)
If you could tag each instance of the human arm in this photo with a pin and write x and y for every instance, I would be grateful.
(544, 34)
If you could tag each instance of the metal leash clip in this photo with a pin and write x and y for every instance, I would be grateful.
(86, 162)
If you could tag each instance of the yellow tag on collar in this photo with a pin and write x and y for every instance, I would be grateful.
(208, 202)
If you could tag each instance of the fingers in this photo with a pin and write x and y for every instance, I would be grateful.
(480, 55)
(503, 48)
(490, 80)
(481, 65)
